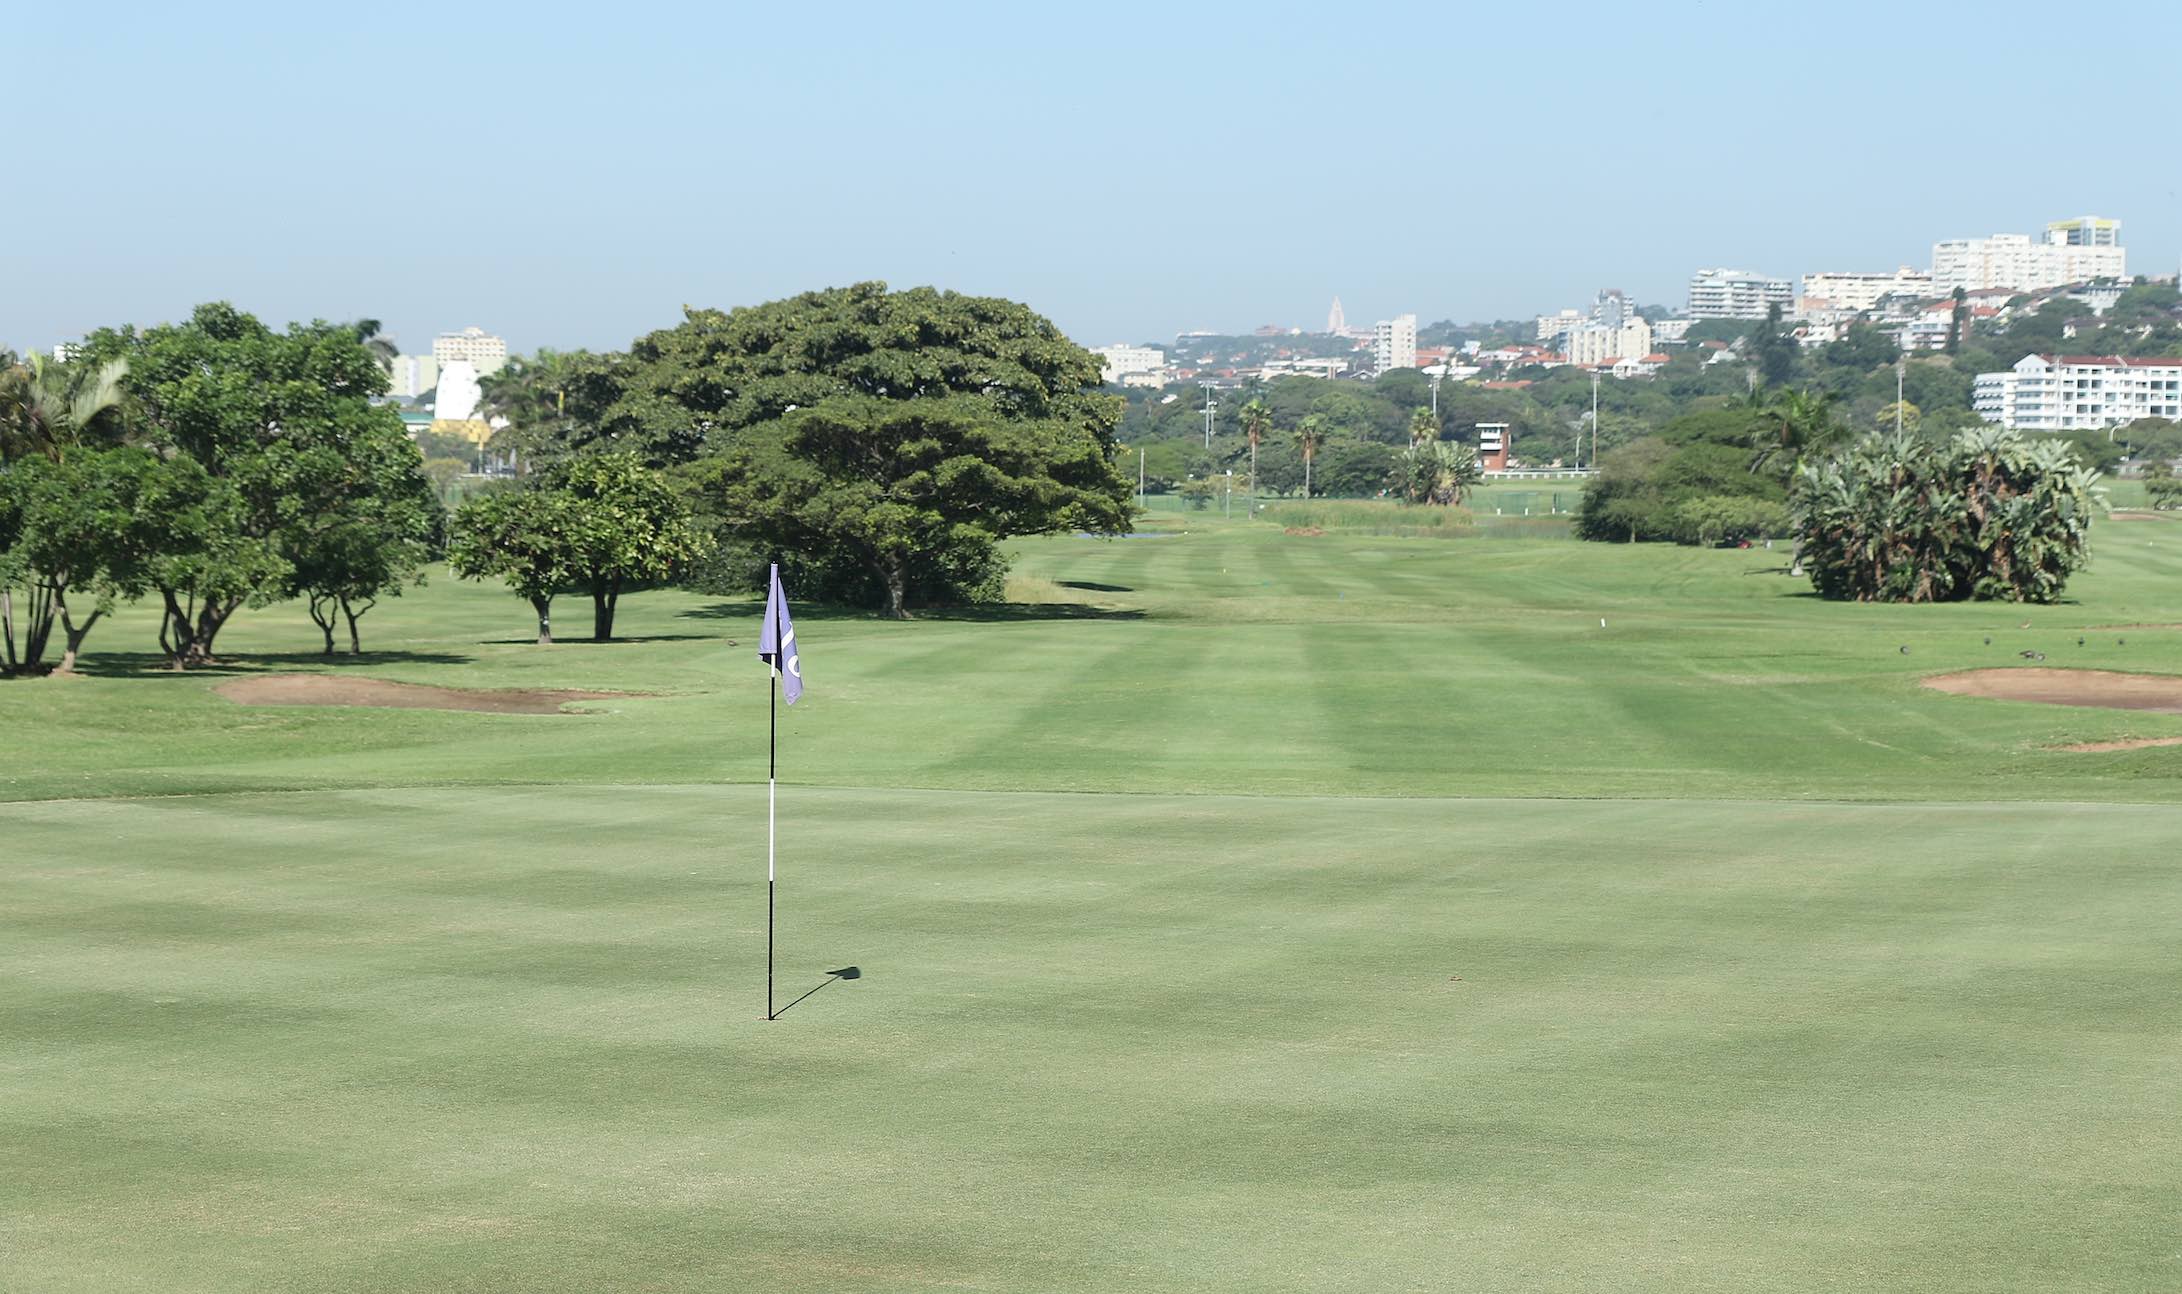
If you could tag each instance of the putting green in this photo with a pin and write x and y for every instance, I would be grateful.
(411, 1039)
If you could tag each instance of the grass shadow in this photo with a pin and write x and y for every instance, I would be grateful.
(846, 972)
(996, 611)
(153, 665)
(588, 641)
(1092, 586)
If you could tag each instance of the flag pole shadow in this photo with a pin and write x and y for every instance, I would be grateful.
(846, 972)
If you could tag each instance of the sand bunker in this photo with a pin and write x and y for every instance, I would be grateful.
(2160, 693)
(2126, 743)
(328, 689)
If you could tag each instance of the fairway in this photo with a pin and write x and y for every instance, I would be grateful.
(1235, 911)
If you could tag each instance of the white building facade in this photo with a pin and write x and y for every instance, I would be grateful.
(2058, 392)
(1118, 362)
(409, 376)
(484, 352)
(1599, 344)
(1857, 292)
(1737, 294)
(1394, 343)
(2072, 251)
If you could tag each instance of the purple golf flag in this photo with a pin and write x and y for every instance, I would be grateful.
(777, 641)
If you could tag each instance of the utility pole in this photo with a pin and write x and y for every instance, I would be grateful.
(1901, 365)
(1140, 478)
(1594, 422)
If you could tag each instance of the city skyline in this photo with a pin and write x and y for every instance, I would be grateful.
(724, 159)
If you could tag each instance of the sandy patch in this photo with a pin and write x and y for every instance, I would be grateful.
(2126, 743)
(328, 689)
(2160, 693)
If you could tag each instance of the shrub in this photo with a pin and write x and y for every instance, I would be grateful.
(1989, 515)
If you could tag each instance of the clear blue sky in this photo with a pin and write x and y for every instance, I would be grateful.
(570, 175)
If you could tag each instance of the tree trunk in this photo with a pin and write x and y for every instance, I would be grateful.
(211, 618)
(353, 614)
(544, 607)
(187, 630)
(896, 588)
(1306, 479)
(38, 629)
(603, 602)
(74, 635)
(321, 608)
(7, 631)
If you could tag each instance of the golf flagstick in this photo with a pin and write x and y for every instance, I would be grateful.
(777, 648)
(772, 795)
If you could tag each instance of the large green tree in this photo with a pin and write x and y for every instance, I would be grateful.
(883, 442)
(367, 523)
(279, 420)
(598, 523)
(916, 493)
(524, 538)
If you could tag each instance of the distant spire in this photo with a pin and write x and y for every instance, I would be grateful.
(1336, 321)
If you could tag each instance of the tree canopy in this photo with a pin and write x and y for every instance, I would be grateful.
(882, 443)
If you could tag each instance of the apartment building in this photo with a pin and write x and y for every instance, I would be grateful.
(2057, 392)
(1596, 343)
(1118, 361)
(1737, 294)
(1394, 343)
(484, 352)
(1830, 290)
(409, 376)
(2071, 251)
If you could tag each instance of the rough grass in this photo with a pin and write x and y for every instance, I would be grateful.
(1372, 517)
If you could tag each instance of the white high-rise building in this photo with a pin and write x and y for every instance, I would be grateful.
(1860, 292)
(1394, 343)
(1597, 343)
(1611, 309)
(410, 376)
(1120, 361)
(1337, 319)
(1736, 294)
(458, 392)
(485, 352)
(2072, 251)
(1550, 327)
(2058, 392)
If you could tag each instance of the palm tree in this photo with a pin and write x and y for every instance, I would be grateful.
(46, 407)
(1436, 472)
(1423, 426)
(1257, 419)
(1310, 434)
(1797, 424)
(1455, 472)
(382, 349)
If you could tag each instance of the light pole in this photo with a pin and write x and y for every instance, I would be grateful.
(1901, 366)
(1594, 423)
(1227, 502)
(1209, 407)
(1436, 379)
